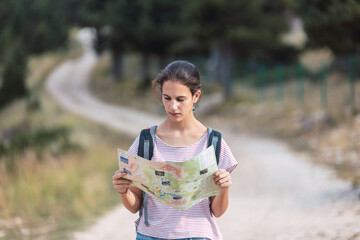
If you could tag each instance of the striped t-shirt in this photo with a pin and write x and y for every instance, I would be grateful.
(194, 222)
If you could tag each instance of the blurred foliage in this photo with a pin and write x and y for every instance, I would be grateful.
(17, 140)
(249, 26)
(221, 30)
(28, 27)
(333, 24)
(238, 30)
(148, 27)
(13, 85)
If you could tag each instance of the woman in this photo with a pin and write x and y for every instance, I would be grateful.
(180, 137)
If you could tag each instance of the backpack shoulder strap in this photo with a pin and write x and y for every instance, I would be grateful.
(215, 140)
(146, 143)
(146, 150)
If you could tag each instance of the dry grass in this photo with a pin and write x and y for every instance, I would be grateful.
(56, 194)
(46, 198)
(331, 135)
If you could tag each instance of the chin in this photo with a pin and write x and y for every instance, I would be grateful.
(175, 119)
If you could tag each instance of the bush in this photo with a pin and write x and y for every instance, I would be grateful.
(21, 138)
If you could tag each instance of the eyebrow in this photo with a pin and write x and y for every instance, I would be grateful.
(176, 97)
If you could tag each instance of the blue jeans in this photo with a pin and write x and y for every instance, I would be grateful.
(143, 237)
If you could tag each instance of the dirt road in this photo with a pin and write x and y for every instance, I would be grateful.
(276, 194)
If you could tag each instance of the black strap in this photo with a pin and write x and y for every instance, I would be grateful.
(145, 142)
(145, 150)
(215, 140)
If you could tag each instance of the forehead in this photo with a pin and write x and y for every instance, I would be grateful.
(175, 88)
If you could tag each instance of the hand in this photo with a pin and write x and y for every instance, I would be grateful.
(223, 179)
(121, 184)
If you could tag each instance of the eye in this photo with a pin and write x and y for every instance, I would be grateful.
(180, 100)
(167, 98)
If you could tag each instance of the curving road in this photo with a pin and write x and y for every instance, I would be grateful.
(276, 194)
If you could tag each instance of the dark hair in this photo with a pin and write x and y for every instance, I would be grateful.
(182, 71)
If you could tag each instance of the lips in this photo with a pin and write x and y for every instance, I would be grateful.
(175, 114)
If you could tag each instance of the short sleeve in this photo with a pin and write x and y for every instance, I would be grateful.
(227, 160)
(134, 147)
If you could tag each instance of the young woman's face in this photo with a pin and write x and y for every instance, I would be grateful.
(178, 100)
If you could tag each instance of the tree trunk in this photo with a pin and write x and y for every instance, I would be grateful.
(163, 61)
(214, 67)
(116, 65)
(221, 56)
(13, 83)
(145, 69)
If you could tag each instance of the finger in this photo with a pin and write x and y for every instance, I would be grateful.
(222, 180)
(119, 175)
(218, 172)
(122, 182)
(121, 188)
(226, 184)
(222, 175)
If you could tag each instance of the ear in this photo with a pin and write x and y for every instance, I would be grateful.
(196, 96)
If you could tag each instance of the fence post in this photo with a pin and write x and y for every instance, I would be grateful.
(280, 82)
(351, 62)
(300, 85)
(324, 87)
(246, 76)
(262, 82)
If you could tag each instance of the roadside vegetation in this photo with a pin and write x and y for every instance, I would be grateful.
(55, 168)
(129, 90)
(331, 140)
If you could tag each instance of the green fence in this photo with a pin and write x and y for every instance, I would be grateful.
(333, 87)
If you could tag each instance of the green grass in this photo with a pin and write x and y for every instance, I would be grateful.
(330, 140)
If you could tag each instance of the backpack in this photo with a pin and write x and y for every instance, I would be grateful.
(146, 149)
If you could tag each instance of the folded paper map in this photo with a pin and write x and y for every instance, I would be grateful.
(176, 184)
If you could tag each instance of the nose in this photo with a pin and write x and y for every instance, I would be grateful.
(173, 105)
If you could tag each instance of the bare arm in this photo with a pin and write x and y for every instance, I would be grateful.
(220, 202)
(131, 197)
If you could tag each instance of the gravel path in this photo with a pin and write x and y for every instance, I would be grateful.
(276, 193)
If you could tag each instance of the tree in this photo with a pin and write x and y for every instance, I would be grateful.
(121, 17)
(29, 27)
(156, 30)
(238, 27)
(333, 24)
(14, 74)
(221, 28)
(148, 27)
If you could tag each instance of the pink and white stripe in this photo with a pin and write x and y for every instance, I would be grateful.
(197, 221)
